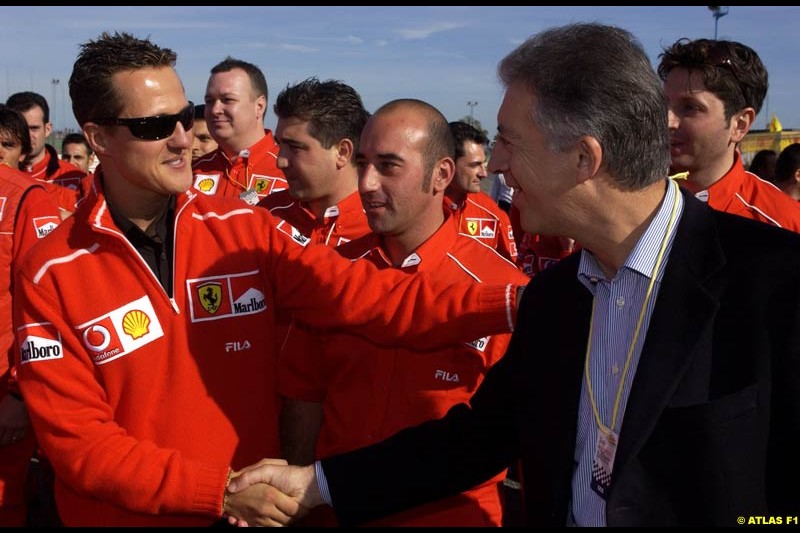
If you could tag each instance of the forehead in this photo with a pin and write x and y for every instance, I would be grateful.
(8, 137)
(72, 148)
(514, 116)
(149, 91)
(233, 81)
(394, 131)
(34, 115)
(684, 81)
(473, 150)
(293, 126)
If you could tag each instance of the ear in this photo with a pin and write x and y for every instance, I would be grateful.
(797, 176)
(48, 129)
(345, 153)
(97, 137)
(741, 122)
(590, 158)
(261, 107)
(443, 173)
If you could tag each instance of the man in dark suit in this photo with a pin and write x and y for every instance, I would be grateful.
(654, 377)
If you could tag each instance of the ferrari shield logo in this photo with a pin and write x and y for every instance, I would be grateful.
(472, 227)
(261, 185)
(210, 296)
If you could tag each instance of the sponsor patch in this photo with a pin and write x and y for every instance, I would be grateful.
(44, 225)
(287, 229)
(206, 183)
(479, 344)
(488, 229)
(485, 228)
(40, 342)
(225, 296)
(120, 332)
(266, 185)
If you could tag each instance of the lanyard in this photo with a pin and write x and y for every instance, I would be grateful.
(653, 276)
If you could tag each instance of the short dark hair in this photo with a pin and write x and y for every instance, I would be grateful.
(730, 70)
(788, 163)
(91, 87)
(257, 80)
(200, 112)
(440, 143)
(25, 101)
(333, 110)
(13, 123)
(463, 133)
(77, 138)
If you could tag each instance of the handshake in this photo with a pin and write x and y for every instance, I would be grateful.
(271, 493)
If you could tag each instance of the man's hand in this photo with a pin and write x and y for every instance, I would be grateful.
(299, 484)
(14, 421)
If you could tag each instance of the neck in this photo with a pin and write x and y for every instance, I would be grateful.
(345, 183)
(618, 223)
(703, 178)
(401, 245)
(142, 207)
(456, 195)
(39, 158)
(233, 146)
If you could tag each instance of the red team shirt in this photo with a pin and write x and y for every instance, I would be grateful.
(480, 217)
(64, 181)
(27, 214)
(370, 392)
(215, 175)
(340, 224)
(743, 193)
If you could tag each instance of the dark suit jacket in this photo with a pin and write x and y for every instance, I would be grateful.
(709, 430)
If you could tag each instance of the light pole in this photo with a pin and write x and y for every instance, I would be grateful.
(717, 12)
(472, 104)
(53, 107)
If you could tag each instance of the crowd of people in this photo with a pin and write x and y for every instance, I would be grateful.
(215, 323)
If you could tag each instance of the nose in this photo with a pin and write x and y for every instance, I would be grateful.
(283, 161)
(498, 160)
(672, 120)
(181, 138)
(213, 109)
(367, 178)
(482, 171)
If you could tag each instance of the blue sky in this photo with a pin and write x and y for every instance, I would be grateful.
(445, 56)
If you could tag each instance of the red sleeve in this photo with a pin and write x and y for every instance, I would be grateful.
(322, 289)
(37, 215)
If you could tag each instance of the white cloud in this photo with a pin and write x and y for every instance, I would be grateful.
(423, 32)
(298, 48)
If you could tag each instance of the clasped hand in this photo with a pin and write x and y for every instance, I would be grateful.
(271, 493)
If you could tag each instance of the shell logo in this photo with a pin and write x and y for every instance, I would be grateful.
(136, 323)
(206, 184)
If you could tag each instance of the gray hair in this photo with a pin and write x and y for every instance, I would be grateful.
(596, 80)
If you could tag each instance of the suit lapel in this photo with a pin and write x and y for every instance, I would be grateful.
(683, 314)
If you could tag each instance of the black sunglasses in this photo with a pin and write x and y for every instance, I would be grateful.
(153, 128)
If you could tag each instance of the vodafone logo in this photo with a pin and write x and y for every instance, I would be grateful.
(96, 338)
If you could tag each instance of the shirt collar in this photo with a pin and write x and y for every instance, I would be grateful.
(428, 255)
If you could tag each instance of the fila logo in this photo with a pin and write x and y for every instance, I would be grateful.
(446, 376)
(237, 346)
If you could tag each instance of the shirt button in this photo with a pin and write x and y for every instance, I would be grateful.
(615, 370)
(620, 302)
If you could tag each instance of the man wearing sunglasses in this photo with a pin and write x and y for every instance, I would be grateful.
(245, 164)
(715, 90)
(146, 327)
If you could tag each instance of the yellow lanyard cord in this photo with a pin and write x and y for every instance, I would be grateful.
(653, 276)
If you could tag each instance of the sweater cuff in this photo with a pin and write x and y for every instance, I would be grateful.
(211, 482)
